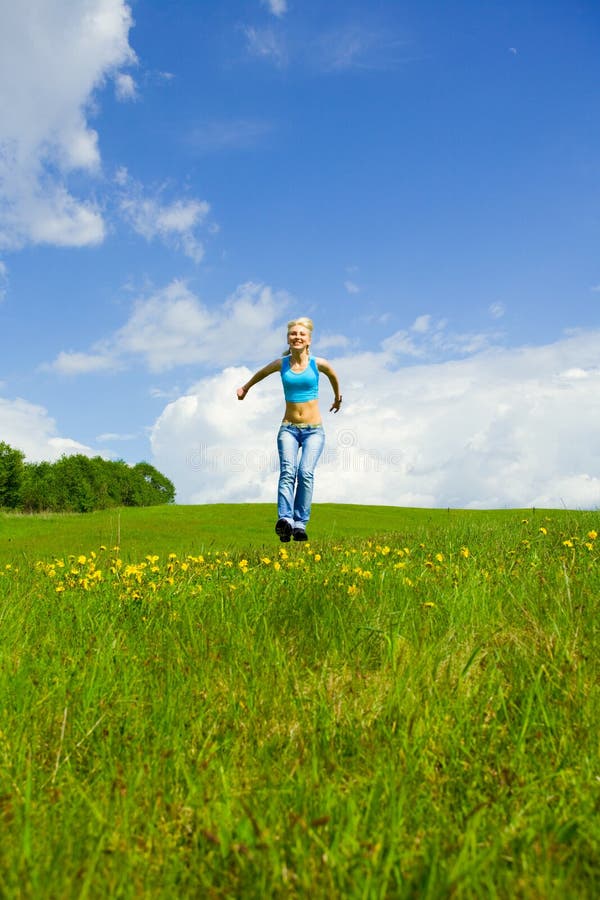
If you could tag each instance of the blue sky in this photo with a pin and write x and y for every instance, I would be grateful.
(423, 179)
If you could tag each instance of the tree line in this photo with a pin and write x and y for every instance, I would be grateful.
(78, 483)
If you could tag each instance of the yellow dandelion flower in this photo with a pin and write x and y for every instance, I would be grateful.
(429, 605)
(59, 588)
(317, 557)
(592, 535)
(439, 557)
(543, 530)
(352, 590)
(265, 560)
(568, 543)
(465, 552)
(82, 560)
(276, 566)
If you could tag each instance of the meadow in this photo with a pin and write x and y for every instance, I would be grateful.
(405, 706)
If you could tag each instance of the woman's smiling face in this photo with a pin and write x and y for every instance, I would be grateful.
(298, 337)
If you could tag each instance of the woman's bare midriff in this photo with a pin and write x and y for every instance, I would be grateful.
(303, 413)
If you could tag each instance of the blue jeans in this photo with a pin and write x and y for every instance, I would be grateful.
(294, 493)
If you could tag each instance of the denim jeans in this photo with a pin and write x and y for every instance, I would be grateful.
(294, 494)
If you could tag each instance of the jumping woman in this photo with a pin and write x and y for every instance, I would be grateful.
(301, 428)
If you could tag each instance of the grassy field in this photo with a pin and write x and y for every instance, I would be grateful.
(406, 706)
(189, 529)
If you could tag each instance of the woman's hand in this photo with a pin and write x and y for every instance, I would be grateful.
(335, 406)
(241, 393)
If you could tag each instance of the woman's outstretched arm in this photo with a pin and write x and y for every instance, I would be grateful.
(328, 370)
(269, 369)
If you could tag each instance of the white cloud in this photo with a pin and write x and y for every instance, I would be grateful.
(496, 310)
(125, 87)
(172, 327)
(400, 342)
(28, 427)
(113, 436)
(503, 427)
(351, 287)
(421, 324)
(175, 222)
(376, 318)
(327, 342)
(277, 7)
(73, 363)
(53, 55)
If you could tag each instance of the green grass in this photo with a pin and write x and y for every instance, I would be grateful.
(405, 707)
(194, 529)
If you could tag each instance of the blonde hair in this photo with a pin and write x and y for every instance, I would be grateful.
(305, 322)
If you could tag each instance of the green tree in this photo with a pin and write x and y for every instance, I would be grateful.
(11, 475)
(38, 490)
(79, 483)
(151, 487)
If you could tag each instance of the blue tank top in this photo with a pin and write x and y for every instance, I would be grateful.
(300, 387)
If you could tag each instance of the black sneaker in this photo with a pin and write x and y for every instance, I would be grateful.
(300, 534)
(284, 530)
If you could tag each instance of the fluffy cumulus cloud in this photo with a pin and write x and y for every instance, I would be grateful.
(499, 427)
(29, 428)
(125, 87)
(53, 55)
(173, 327)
